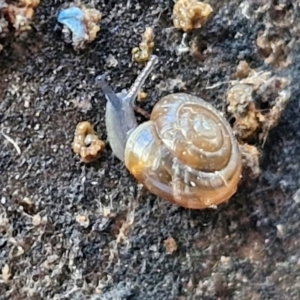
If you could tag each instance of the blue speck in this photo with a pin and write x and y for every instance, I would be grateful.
(73, 18)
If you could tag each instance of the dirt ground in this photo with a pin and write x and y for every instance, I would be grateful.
(75, 231)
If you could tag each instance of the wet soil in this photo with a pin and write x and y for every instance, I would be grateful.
(246, 249)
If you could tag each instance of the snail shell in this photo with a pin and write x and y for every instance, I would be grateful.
(186, 153)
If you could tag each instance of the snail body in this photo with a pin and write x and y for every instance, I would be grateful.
(186, 153)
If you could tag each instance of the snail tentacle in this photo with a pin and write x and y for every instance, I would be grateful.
(119, 117)
(140, 80)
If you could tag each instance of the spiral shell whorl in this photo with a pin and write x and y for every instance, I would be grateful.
(186, 153)
(193, 131)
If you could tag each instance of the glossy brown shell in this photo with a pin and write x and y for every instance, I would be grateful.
(186, 153)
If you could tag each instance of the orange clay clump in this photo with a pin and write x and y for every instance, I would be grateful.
(190, 14)
(20, 14)
(86, 143)
(250, 120)
(170, 245)
(250, 159)
(92, 18)
(274, 50)
(142, 96)
(256, 100)
(142, 53)
(243, 70)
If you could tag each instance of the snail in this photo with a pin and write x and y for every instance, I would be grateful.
(186, 153)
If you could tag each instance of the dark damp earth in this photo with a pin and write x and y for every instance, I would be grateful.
(75, 231)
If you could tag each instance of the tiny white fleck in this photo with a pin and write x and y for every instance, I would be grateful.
(192, 183)
(213, 206)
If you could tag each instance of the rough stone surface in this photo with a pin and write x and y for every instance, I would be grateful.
(246, 249)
